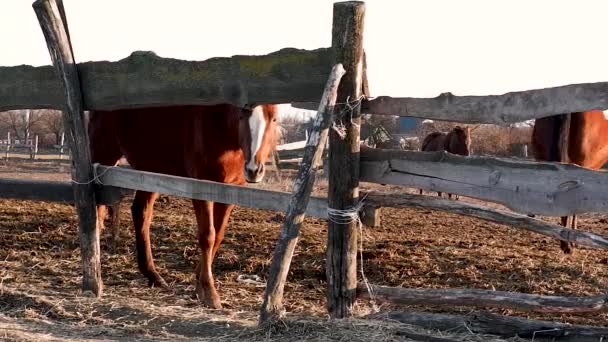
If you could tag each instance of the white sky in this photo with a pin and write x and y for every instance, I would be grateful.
(415, 47)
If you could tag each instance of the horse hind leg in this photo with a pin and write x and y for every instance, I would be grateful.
(114, 210)
(142, 211)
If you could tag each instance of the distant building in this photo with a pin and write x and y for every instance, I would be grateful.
(409, 125)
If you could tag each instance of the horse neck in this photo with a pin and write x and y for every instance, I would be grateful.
(221, 130)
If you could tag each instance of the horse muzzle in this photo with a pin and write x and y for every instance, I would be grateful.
(255, 175)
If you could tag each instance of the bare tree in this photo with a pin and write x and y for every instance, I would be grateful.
(52, 123)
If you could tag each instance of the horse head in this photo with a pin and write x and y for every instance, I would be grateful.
(459, 141)
(258, 137)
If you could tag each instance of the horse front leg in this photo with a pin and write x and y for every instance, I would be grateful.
(568, 222)
(221, 214)
(205, 284)
(142, 211)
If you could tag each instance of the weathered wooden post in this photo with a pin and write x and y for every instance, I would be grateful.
(8, 145)
(34, 148)
(61, 146)
(281, 260)
(370, 216)
(564, 142)
(343, 192)
(51, 16)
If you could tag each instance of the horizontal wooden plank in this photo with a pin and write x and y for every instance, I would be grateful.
(145, 79)
(484, 298)
(25, 189)
(52, 191)
(296, 145)
(527, 187)
(244, 196)
(487, 323)
(396, 200)
(507, 108)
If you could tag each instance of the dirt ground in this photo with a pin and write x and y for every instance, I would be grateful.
(40, 271)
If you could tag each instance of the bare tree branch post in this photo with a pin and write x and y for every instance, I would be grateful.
(54, 28)
(272, 307)
(343, 190)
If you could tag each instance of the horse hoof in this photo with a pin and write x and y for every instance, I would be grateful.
(208, 297)
(211, 302)
(567, 248)
(158, 281)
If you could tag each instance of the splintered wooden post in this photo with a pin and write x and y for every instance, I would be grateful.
(51, 17)
(272, 306)
(343, 192)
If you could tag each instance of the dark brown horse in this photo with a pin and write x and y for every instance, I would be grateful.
(587, 145)
(220, 143)
(456, 141)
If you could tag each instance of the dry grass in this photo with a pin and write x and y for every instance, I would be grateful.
(40, 272)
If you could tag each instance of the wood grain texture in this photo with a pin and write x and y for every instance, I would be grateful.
(51, 17)
(485, 298)
(272, 306)
(343, 188)
(491, 109)
(145, 79)
(527, 187)
(123, 177)
(512, 219)
(505, 326)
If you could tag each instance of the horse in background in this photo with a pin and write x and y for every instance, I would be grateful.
(456, 141)
(220, 143)
(587, 146)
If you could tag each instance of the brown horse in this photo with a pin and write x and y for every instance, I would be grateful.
(587, 145)
(219, 143)
(456, 141)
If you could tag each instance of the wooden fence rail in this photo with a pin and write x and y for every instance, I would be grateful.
(511, 219)
(492, 109)
(145, 79)
(246, 196)
(484, 298)
(527, 187)
(487, 323)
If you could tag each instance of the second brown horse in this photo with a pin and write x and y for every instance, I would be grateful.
(587, 145)
(456, 141)
(219, 143)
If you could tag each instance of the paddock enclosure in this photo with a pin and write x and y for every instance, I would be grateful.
(452, 269)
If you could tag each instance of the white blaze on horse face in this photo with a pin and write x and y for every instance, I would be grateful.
(605, 114)
(257, 125)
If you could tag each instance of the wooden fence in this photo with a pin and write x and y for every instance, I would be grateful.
(240, 80)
